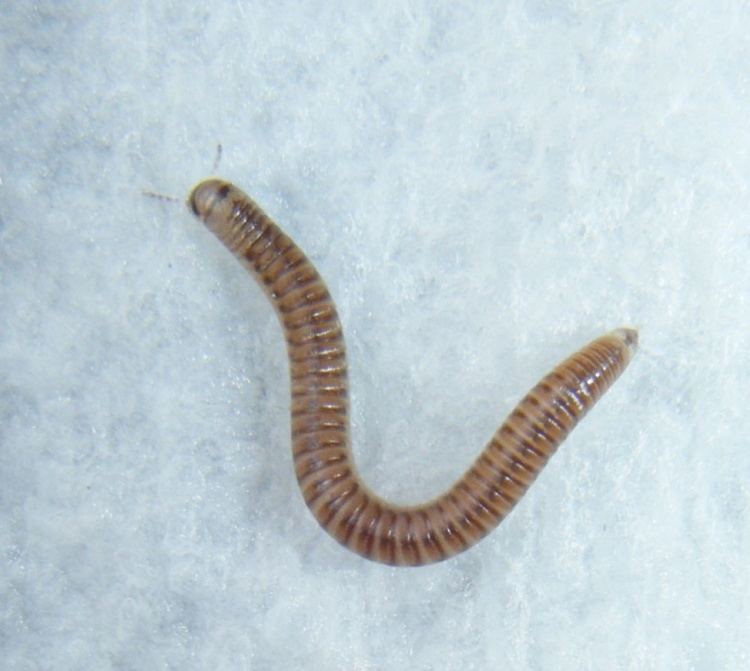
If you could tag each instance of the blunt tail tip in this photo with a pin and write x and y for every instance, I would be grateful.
(629, 337)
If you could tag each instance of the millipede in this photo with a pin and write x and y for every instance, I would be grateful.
(334, 492)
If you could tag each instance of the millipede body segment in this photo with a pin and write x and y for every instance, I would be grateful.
(338, 498)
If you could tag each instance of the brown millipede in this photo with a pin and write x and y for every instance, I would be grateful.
(327, 477)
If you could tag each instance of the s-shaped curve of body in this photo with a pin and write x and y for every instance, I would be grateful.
(338, 498)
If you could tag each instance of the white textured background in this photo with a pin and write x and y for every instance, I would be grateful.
(485, 187)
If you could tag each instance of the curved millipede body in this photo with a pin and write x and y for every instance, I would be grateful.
(328, 479)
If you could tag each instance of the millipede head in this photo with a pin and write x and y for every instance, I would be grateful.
(206, 196)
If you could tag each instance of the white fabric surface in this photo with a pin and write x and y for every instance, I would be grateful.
(485, 187)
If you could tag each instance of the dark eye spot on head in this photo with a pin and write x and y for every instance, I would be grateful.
(223, 192)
